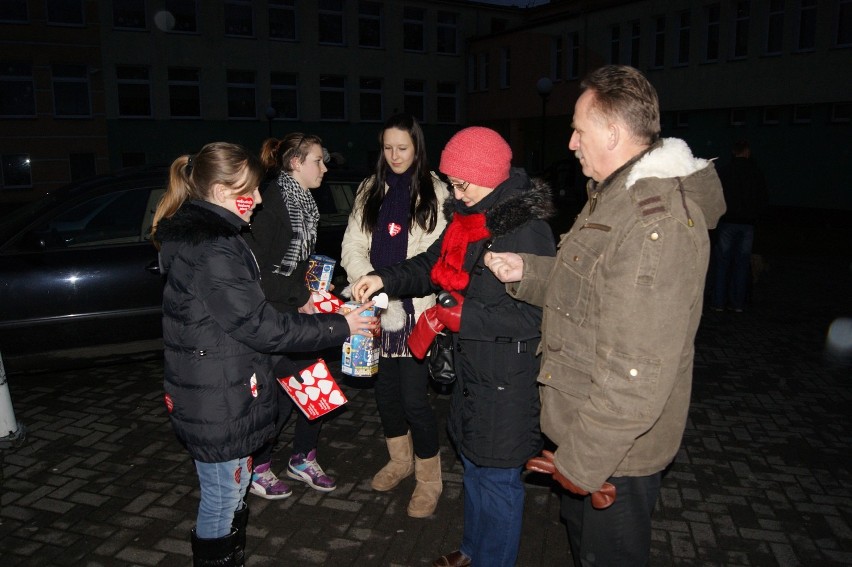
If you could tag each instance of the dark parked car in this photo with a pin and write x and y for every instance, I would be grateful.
(78, 269)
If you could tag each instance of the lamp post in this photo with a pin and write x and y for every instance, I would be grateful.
(543, 86)
(271, 113)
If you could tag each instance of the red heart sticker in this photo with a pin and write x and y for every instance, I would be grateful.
(394, 229)
(244, 204)
(170, 405)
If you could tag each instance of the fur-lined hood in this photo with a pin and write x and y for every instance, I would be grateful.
(515, 201)
(194, 223)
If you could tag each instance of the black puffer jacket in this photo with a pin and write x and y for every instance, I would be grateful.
(494, 412)
(216, 323)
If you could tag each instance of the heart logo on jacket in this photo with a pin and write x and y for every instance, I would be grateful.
(394, 229)
(244, 204)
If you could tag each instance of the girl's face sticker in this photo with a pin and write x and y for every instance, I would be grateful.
(244, 204)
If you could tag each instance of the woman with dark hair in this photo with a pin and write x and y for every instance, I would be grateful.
(282, 237)
(217, 331)
(397, 215)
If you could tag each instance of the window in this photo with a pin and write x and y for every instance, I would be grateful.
(331, 22)
(370, 93)
(129, 14)
(711, 33)
(186, 17)
(843, 38)
(774, 28)
(634, 45)
(282, 19)
(614, 44)
(448, 103)
(741, 20)
(658, 51)
(14, 11)
(557, 58)
(447, 33)
(414, 98)
(65, 12)
(772, 115)
(573, 55)
(806, 30)
(82, 165)
(802, 114)
(683, 39)
(505, 67)
(241, 94)
(738, 117)
(239, 18)
(412, 29)
(472, 73)
(134, 91)
(332, 97)
(285, 95)
(483, 72)
(17, 90)
(17, 171)
(71, 91)
(841, 113)
(184, 93)
(369, 24)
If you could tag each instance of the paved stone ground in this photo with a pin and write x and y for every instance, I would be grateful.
(762, 478)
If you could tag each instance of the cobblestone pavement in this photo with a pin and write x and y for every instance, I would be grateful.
(762, 478)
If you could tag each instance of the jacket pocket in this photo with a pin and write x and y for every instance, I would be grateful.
(630, 384)
(573, 276)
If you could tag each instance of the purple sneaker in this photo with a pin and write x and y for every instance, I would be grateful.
(265, 484)
(305, 468)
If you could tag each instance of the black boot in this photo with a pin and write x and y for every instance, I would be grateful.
(239, 523)
(216, 552)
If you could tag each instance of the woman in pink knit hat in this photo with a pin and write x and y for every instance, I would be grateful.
(494, 412)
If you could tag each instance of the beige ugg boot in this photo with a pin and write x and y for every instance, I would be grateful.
(400, 466)
(429, 486)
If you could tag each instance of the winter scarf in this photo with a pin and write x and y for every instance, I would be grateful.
(304, 218)
(448, 272)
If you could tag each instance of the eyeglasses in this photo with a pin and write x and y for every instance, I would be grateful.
(461, 187)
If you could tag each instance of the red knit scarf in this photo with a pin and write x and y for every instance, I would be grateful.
(448, 272)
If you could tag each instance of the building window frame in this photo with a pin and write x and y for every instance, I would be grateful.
(773, 42)
(69, 13)
(802, 114)
(15, 12)
(370, 24)
(413, 29)
(711, 52)
(658, 51)
(573, 59)
(414, 98)
(634, 45)
(184, 92)
(843, 24)
(241, 87)
(331, 29)
(71, 91)
(447, 102)
(806, 25)
(333, 99)
(505, 77)
(17, 90)
(185, 14)
(447, 33)
(740, 24)
(239, 18)
(370, 99)
(133, 90)
(772, 115)
(684, 38)
(283, 21)
(284, 95)
(129, 15)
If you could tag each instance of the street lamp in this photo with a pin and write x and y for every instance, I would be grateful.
(543, 86)
(271, 113)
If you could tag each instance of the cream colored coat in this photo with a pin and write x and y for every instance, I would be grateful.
(355, 250)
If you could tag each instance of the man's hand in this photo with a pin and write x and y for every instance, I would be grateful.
(507, 266)
(601, 499)
(449, 312)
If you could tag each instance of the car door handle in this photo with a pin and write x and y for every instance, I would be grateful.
(153, 267)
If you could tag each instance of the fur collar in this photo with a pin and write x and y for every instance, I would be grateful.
(525, 199)
(671, 158)
(193, 224)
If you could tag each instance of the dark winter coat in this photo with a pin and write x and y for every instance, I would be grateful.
(270, 234)
(494, 412)
(217, 325)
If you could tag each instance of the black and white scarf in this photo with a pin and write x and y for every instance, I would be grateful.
(304, 218)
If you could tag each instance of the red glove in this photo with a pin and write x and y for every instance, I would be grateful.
(451, 316)
(601, 499)
(424, 331)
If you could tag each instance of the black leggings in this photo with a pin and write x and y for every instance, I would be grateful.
(402, 398)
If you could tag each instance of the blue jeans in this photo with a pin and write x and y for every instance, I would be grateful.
(493, 514)
(618, 535)
(731, 264)
(223, 487)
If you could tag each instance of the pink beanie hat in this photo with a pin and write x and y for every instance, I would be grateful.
(478, 155)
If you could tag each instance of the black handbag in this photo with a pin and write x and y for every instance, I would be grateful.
(441, 359)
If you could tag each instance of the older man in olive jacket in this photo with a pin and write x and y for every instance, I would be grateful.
(622, 302)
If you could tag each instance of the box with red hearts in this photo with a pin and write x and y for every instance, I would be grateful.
(317, 394)
(326, 302)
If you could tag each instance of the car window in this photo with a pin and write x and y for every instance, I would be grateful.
(113, 218)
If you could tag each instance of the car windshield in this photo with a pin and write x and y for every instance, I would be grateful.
(17, 219)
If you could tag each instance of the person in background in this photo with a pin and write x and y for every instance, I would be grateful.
(218, 329)
(622, 302)
(494, 407)
(397, 215)
(282, 236)
(745, 197)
